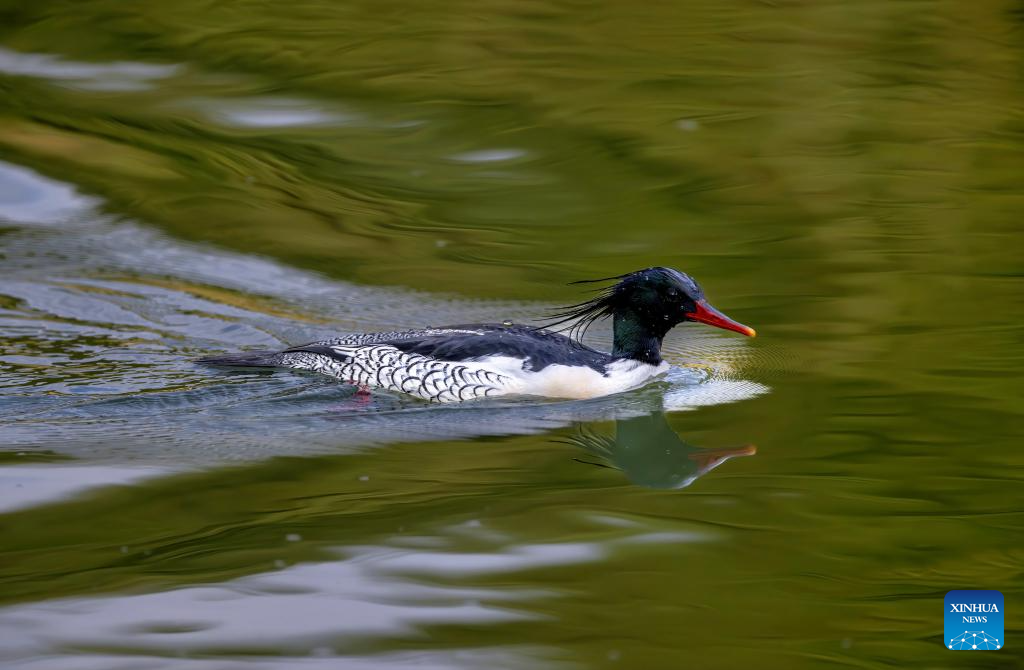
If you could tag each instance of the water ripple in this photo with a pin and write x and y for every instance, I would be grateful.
(104, 319)
(120, 76)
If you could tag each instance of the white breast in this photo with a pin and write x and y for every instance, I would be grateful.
(571, 381)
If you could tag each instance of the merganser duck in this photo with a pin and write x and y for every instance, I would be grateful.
(456, 363)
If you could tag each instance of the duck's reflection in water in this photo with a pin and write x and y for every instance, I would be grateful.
(651, 454)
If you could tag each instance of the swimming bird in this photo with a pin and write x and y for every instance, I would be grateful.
(464, 362)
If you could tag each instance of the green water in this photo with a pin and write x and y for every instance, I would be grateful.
(192, 177)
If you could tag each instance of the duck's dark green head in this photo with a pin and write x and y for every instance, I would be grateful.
(671, 297)
(645, 305)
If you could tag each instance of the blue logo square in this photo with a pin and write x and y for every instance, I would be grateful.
(974, 620)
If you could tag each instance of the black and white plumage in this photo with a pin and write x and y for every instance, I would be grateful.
(457, 363)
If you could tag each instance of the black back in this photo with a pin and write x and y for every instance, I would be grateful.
(540, 348)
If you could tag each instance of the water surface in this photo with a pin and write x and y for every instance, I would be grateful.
(188, 178)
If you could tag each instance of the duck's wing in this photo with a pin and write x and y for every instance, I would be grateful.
(391, 337)
(536, 348)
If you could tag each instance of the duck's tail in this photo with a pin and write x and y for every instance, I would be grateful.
(246, 359)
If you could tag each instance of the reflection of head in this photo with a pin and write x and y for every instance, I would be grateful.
(651, 454)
